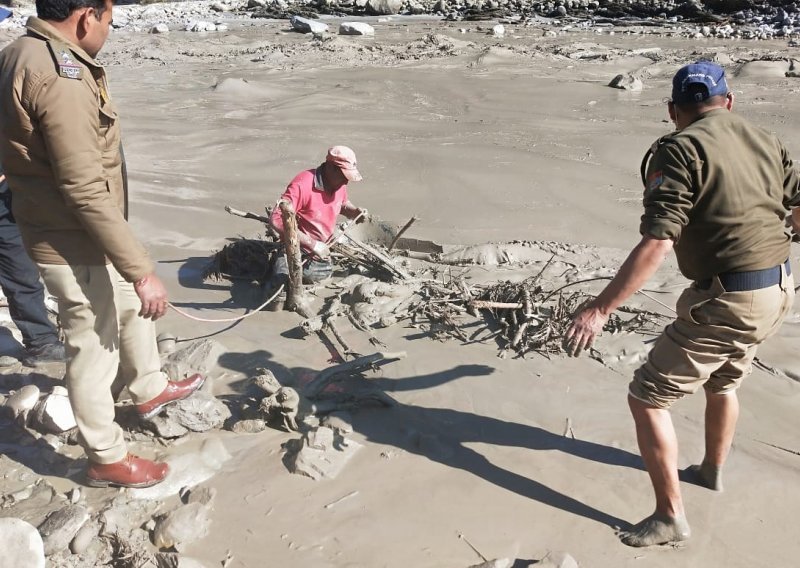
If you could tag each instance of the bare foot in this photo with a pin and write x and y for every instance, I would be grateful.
(657, 529)
(707, 475)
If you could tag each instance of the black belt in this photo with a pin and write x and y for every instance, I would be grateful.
(747, 280)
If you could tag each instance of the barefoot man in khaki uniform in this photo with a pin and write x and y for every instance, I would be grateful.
(60, 145)
(717, 191)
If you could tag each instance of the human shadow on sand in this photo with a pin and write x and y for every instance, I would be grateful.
(443, 434)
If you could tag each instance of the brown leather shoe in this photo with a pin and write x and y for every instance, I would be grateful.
(175, 390)
(131, 471)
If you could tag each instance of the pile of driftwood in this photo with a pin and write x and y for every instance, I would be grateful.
(531, 316)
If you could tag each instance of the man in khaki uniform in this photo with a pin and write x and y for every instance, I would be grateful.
(60, 145)
(717, 191)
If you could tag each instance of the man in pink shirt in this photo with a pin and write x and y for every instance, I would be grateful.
(318, 197)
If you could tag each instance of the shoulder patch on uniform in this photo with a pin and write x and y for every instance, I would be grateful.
(67, 67)
(655, 180)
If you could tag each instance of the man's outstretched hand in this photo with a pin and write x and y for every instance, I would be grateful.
(153, 294)
(585, 326)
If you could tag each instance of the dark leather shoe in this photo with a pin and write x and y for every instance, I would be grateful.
(131, 471)
(43, 354)
(175, 390)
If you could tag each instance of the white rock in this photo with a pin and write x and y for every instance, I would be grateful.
(384, 7)
(200, 27)
(54, 412)
(160, 29)
(305, 25)
(23, 400)
(356, 28)
(219, 7)
(222, 27)
(21, 544)
(499, 30)
(627, 82)
(558, 560)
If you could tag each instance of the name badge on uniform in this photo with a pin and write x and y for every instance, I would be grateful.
(68, 68)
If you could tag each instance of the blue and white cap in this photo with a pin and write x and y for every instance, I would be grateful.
(709, 75)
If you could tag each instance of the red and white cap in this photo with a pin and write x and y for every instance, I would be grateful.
(345, 159)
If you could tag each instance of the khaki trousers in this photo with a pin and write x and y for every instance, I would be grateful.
(712, 342)
(105, 338)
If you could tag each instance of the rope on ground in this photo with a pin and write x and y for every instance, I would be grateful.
(223, 320)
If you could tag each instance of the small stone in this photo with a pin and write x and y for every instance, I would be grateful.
(256, 3)
(499, 30)
(306, 25)
(356, 28)
(219, 7)
(253, 426)
(61, 526)
(8, 361)
(23, 400)
(21, 544)
(199, 412)
(183, 526)
(166, 341)
(84, 537)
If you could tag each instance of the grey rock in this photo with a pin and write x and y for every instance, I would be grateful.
(199, 413)
(61, 526)
(627, 82)
(183, 526)
(356, 28)
(166, 341)
(197, 357)
(21, 544)
(256, 3)
(84, 537)
(318, 456)
(266, 381)
(8, 361)
(306, 25)
(383, 7)
(249, 426)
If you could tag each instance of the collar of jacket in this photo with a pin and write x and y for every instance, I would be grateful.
(40, 28)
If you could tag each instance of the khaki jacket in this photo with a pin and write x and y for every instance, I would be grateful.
(60, 146)
(720, 188)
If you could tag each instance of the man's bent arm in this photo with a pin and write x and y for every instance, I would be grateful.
(641, 264)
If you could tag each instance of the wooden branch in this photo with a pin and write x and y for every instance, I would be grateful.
(291, 242)
(324, 377)
(384, 259)
(403, 230)
(487, 305)
(246, 214)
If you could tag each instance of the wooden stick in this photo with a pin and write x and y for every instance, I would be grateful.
(405, 228)
(486, 305)
(324, 377)
(246, 214)
(378, 255)
(291, 242)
